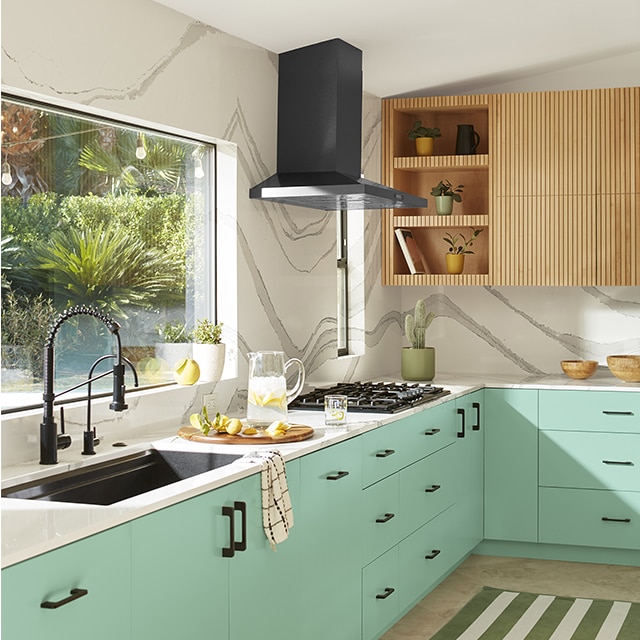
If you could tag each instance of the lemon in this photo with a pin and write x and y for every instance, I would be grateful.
(249, 431)
(234, 426)
(195, 421)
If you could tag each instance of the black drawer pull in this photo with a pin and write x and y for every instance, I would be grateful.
(229, 552)
(431, 432)
(626, 463)
(338, 476)
(618, 413)
(432, 488)
(433, 554)
(387, 517)
(605, 519)
(387, 592)
(75, 594)
(242, 508)
(476, 426)
(460, 433)
(385, 453)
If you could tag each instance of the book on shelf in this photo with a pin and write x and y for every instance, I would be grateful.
(411, 251)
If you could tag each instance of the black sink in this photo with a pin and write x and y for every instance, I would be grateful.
(110, 482)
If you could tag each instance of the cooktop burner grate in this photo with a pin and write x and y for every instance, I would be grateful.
(372, 397)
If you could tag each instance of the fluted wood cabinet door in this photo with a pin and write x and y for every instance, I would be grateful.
(565, 181)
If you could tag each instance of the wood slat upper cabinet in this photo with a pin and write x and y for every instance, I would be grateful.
(563, 192)
(566, 188)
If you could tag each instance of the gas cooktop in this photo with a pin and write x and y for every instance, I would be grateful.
(372, 397)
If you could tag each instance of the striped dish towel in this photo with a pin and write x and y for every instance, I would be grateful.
(277, 514)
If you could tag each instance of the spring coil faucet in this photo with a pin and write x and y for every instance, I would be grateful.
(50, 440)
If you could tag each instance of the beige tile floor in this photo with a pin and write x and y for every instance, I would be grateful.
(535, 576)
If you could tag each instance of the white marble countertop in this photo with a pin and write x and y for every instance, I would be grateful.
(32, 527)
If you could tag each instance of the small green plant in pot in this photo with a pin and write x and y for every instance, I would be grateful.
(209, 350)
(459, 246)
(423, 137)
(174, 343)
(418, 361)
(445, 195)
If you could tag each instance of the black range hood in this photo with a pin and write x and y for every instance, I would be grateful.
(320, 134)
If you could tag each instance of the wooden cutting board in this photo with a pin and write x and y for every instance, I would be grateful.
(295, 433)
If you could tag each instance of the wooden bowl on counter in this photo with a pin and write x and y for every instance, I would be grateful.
(626, 368)
(579, 369)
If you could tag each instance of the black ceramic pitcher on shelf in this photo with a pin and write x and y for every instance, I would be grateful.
(467, 140)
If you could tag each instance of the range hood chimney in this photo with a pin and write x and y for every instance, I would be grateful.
(320, 134)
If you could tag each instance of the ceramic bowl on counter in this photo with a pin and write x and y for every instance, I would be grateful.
(579, 369)
(625, 367)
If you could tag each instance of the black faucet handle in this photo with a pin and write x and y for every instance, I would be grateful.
(63, 439)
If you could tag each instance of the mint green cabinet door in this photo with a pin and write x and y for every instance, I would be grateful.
(511, 465)
(427, 488)
(180, 576)
(380, 604)
(608, 411)
(384, 451)
(470, 465)
(330, 527)
(266, 587)
(380, 518)
(426, 556)
(98, 564)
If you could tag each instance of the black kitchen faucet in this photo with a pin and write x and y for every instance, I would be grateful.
(50, 439)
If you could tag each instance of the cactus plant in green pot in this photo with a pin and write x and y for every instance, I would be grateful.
(418, 362)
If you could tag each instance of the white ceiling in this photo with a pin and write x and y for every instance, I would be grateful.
(414, 46)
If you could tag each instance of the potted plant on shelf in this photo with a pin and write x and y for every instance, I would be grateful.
(418, 362)
(208, 350)
(458, 248)
(445, 194)
(423, 137)
(175, 342)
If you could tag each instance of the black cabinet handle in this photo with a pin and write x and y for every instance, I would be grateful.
(476, 426)
(433, 554)
(242, 508)
(432, 488)
(460, 433)
(230, 551)
(385, 453)
(338, 476)
(431, 432)
(618, 413)
(387, 517)
(75, 594)
(387, 592)
(605, 519)
(626, 463)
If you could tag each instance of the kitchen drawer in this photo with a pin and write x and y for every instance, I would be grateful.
(425, 557)
(427, 488)
(590, 460)
(384, 451)
(607, 411)
(428, 431)
(380, 518)
(380, 605)
(590, 517)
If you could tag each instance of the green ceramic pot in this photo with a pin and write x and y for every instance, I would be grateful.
(418, 364)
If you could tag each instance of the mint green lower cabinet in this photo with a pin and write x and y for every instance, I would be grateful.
(99, 564)
(590, 517)
(329, 525)
(511, 465)
(380, 518)
(180, 577)
(426, 556)
(380, 603)
(470, 466)
(261, 580)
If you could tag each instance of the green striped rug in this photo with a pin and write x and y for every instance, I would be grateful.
(507, 615)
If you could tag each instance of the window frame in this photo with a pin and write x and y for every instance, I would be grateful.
(342, 264)
(52, 103)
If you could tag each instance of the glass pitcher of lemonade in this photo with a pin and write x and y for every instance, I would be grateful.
(268, 395)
